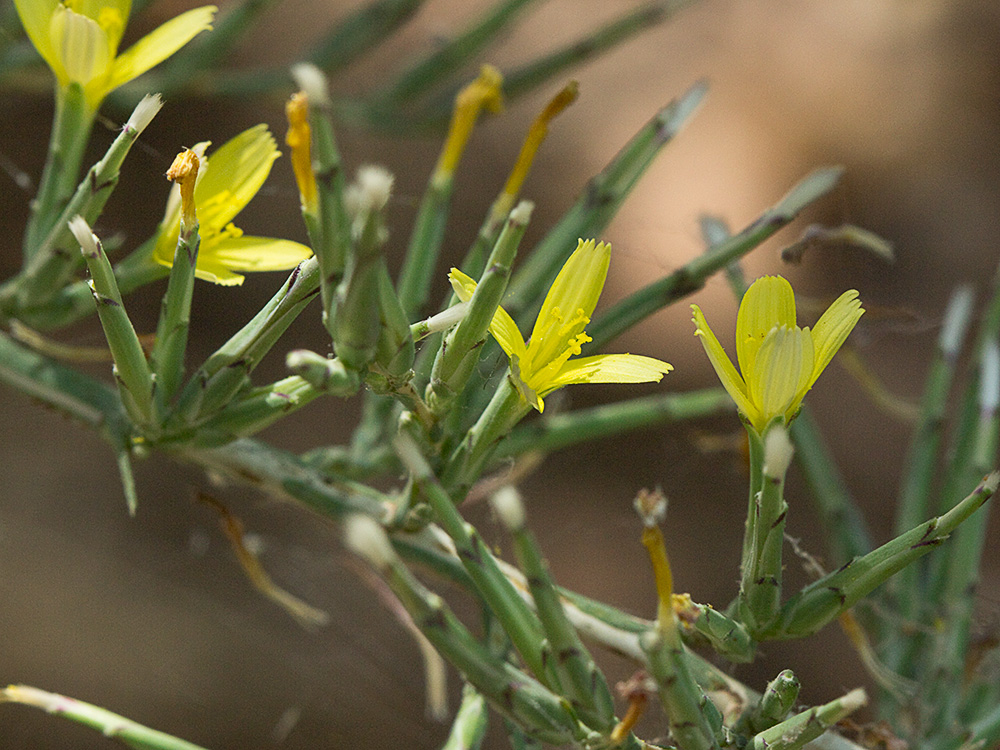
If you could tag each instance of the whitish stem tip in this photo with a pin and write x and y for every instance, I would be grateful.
(778, 451)
(144, 112)
(313, 81)
(87, 239)
(508, 506)
(366, 537)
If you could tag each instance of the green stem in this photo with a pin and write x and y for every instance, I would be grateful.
(135, 380)
(683, 700)
(459, 353)
(421, 257)
(505, 409)
(167, 357)
(71, 128)
(436, 67)
(598, 203)
(760, 585)
(112, 725)
(584, 683)
(825, 599)
(795, 732)
(905, 592)
(846, 532)
(469, 726)
(360, 31)
(691, 277)
(518, 621)
(527, 77)
(510, 691)
(557, 431)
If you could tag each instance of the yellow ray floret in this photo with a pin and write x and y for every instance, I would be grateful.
(79, 40)
(546, 362)
(778, 361)
(226, 183)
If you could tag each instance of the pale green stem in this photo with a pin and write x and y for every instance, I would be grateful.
(905, 592)
(353, 316)
(75, 301)
(795, 732)
(510, 691)
(135, 380)
(71, 128)
(761, 572)
(598, 203)
(469, 726)
(335, 226)
(460, 350)
(167, 357)
(778, 699)
(466, 464)
(527, 77)
(686, 706)
(556, 431)
(691, 277)
(421, 257)
(227, 370)
(726, 636)
(584, 684)
(518, 621)
(395, 350)
(847, 534)
(53, 260)
(823, 600)
(111, 725)
(446, 60)
(257, 409)
(359, 31)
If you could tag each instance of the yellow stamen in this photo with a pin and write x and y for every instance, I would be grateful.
(484, 92)
(652, 540)
(536, 134)
(184, 171)
(299, 140)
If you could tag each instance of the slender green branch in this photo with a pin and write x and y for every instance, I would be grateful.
(691, 277)
(132, 733)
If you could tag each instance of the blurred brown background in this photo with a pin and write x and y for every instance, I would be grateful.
(151, 616)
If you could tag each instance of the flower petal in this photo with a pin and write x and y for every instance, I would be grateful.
(609, 368)
(769, 302)
(724, 368)
(81, 46)
(462, 284)
(233, 175)
(571, 298)
(36, 15)
(255, 253)
(503, 327)
(833, 327)
(158, 45)
(784, 363)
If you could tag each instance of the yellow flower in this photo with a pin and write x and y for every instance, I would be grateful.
(544, 363)
(778, 360)
(79, 40)
(226, 183)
